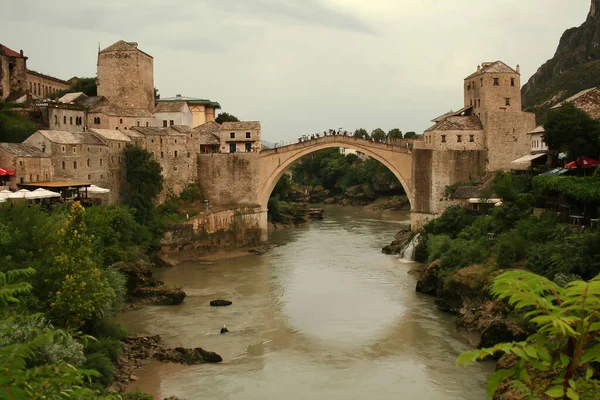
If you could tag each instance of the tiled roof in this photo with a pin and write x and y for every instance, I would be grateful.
(240, 126)
(190, 100)
(9, 52)
(186, 129)
(458, 123)
(114, 110)
(539, 129)
(497, 67)
(208, 133)
(452, 113)
(122, 45)
(111, 134)
(47, 77)
(71, 97)
(587, 100)
(63, 137)
(170, 107)
(466, 192)
(156, 131)
(23, 150)
(89, 102)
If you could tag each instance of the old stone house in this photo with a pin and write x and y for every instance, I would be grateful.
(240, 137)
(491, 118)
(41, 86)
(202, 110)
(75, 156)
(13, 72)
(205, 138)
(29, 163)
(115, 141)
(172, 113)
(107, 115)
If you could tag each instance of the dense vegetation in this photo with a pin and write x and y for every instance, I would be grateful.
(86, 85)
(59, 288)
(14, 127)
(226, 117)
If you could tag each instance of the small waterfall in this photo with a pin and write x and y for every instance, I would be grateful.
(408, 253)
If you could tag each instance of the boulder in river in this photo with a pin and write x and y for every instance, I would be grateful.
(163, 296)
(220, 303)
(182, 355)
(428, 282)
(399, 243)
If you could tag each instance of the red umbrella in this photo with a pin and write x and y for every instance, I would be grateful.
(584, 162)
(4, 171)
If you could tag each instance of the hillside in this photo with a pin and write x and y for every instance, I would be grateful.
(574, 67)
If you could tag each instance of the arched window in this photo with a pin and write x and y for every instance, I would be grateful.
(63, 165)
(175, 153)
(74, 164)
(121, 121)
(138, 123)
(162, 155)
(146, 123)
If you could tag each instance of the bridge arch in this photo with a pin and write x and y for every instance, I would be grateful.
(274, 162)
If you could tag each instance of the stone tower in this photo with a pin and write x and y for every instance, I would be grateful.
(494, 92)
(13, 72)
(126, 76)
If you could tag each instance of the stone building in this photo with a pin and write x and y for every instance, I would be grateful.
(115, 141)
(172, 113)
(41, 86)
(70, 117)
(202, 110)
(491, 118)
(29, 163)
(75, 156)
(205, 138)
(168, 147)
(126, 76)
(240, 137)
(107, 115)
(13, 72)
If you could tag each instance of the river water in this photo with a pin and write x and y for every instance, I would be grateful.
(324, 316)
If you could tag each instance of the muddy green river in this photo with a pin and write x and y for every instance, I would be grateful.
(324, 316)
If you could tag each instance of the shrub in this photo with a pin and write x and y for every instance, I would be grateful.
(450, 223)
(437, 246)
(104, 366)
(463, 253)
(137, 395)
(192, 193)
(511, 248)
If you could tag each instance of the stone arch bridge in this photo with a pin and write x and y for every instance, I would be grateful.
(249, 178)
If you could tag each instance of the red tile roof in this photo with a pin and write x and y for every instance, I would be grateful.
(8, 52)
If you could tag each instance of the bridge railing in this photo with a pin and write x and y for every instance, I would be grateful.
(401, 146)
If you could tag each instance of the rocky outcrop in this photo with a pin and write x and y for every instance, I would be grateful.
(220, 303)
(162, 296)
(393, 203)
(399, 243)
(574, 67)
(139, 350)
(429, 281)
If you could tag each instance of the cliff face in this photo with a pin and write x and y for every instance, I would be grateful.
(574, 67)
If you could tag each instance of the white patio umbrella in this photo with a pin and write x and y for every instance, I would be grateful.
(16, 195)
(5, 191)
(93, 189)
(41, 194)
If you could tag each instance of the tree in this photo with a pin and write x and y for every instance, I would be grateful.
(87, 86)
(379, 135)
(144, 182)
(156, 94)
(410, 135)
(571, 130)
(395, 134)
(226, 117)
(361, 134)
(565, 347)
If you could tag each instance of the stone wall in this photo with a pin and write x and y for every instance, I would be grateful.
(13, 75)
(506, 136)
(43, 85)
(27, 169)
(64, 118)
(229, 178)
(221, 228)
(126, 78)
(118, 122)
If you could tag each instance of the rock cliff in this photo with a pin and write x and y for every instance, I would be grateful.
(574, 67)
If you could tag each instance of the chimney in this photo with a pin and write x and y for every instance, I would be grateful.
(178, 96)
(479, 68)
(21, 53)
(518, 69)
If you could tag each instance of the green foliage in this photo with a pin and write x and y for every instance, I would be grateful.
(395, 134)
(144, 182)
(509, 186)
(585, 189)
(361, 134)
(511, 248)
(137, 395)
(282, 187)
(450, 223)
(378, 135)
(410, 135)
(571, 130)
(566, 345)
(226, 117)
(14, 127)
(192, 193)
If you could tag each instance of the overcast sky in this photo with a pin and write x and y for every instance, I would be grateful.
(300, 66)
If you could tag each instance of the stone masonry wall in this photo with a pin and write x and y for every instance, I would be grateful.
(507, 139)
(229, 178)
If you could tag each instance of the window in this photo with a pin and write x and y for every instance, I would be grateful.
(101, 176)
(119, 158)
(443, 138)
(74, 149)
(164, 123)
(21, 180)
(70, 120)
(479, 103)
(30, 177)
(171, 123)
(89, 177)
(248, 134)
(175, 153)
(189, 154)
(160, 140)
(175, 141)
(248, 147)
(100, 162)
(232, 135)
(471, 138)
(63, 165)
(146, 123)
(471, 102)
(153, 155)
(37, 178)
(121, 121)
(65, 119)
(88, 162)
(175, 168)
(459, 138)
(74, 164)
(55, 120)
(119, 145)
(138, 123)
(162, 155)
(481, 82)
(88, 149)
(512, 81)
(496, 81)
(62, 148)
(508, 101)
(151, 140)
(20, 163)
